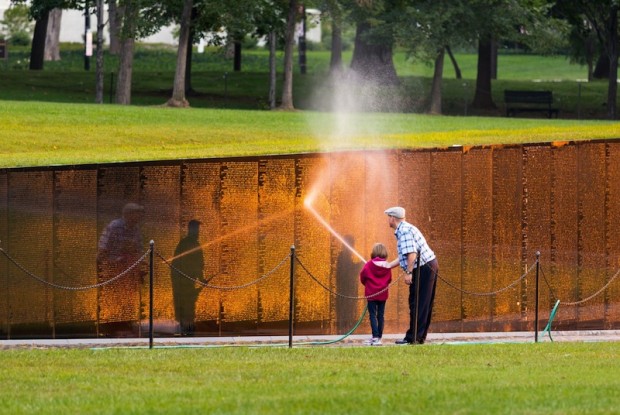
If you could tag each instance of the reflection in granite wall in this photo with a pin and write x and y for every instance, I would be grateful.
(486, 212)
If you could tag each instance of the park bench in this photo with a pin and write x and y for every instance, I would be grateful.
(532, 101)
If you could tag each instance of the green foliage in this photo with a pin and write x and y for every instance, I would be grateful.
(16, 25)
(559, 378)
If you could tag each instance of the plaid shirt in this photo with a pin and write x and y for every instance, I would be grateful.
(409, 239)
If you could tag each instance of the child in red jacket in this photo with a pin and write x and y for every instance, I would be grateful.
(376, 277)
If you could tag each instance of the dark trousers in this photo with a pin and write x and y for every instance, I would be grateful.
(376, 311)
(428, 281)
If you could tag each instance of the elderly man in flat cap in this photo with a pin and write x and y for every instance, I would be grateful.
(410, 241)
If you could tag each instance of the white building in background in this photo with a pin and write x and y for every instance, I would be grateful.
(73, 27)
(73, 23)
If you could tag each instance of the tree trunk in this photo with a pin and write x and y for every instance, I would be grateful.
(435, 107)
(483, 98)
(612, 90)
(125, 61)
(601, 69)
(335, 61)
(115, 16)
(37, 50)
(178, 91)
(287, 85)
(373, 62)
(457, 70)
(99, 53)
(52, 39)
(272, 69)
(188, 67)
(190, 52)
(493, 59)
(125, 68)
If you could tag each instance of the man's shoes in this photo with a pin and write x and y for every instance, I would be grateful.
(403, 341)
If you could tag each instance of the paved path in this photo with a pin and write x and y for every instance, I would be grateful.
(298, 341)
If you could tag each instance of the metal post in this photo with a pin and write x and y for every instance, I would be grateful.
(225, 86)
(417, 298)
(151, 268)
(111, 86)
(291, 303)
(578, 100)
(87, 37)
(536, 306)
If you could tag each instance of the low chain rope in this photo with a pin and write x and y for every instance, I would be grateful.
(363, 297)
(603, 288)
(75, 288)
(224, 288)
(487, 293)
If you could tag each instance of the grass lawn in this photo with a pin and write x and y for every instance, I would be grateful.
(36, 133)
(216, 85)
(543, 378)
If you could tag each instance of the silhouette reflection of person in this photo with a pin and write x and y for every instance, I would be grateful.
(120, 246)
(189, 259)
(347, 272)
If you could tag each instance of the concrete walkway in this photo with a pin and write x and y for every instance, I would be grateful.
(299, 341)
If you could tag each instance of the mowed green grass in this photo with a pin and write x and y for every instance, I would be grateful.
(543, 378)
(40, 134)
(548, 378)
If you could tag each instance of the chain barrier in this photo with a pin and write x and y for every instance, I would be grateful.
(75, 288)
(363, 297)
(217, 287)
(487, 293)
(582, 300)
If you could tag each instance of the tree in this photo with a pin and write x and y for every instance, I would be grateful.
(129, 30)
(115, 16)
(37, 51)
(426, 30)
(16, 25)
(287, 85)
(374, 39)
(493, 20)
(99, 5)
(39, 11)
(139, 18)
(52, 38)
(599, 17)
(336, 13)
(178, 92)
(270, 19)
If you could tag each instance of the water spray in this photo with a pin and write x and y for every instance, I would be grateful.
(308, 206)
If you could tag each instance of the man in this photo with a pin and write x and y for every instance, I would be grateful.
(410, 241)
(188, 262)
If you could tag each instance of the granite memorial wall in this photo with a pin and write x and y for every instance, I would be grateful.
(486, 212)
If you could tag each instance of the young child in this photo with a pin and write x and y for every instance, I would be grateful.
(376, 276)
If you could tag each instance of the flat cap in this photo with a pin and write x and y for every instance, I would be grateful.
(396, 211)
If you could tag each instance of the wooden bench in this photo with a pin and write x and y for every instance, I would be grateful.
(532, 101)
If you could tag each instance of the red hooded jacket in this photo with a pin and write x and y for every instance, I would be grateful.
(375, 276)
